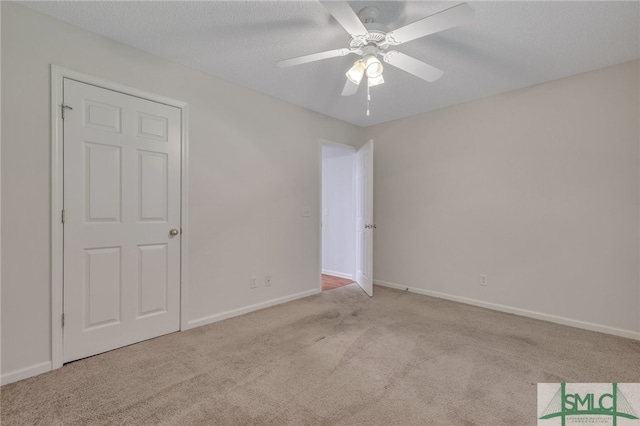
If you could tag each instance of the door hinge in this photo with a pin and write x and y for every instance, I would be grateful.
(65, 107)
(62, 215)
(62, 320)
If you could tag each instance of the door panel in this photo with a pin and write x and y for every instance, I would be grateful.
(102, 117)
(103, 285)
(121, 198)
(152, 127)
(153, 186)
(103, 183)
(364, 217)
(152, 262)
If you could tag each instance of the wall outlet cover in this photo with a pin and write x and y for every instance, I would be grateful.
(483, 280)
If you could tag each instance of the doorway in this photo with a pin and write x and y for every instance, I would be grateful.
(347, 214)
(338, 215)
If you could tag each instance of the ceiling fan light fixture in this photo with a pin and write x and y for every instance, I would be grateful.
(374, 81)
(356, 72)
(374, 66)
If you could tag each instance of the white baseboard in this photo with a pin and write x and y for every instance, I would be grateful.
(338, 274)
(517, 311)
(25, 373)
(245, 310)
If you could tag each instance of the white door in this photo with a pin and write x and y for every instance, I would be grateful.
(364, 217)
(121, 201)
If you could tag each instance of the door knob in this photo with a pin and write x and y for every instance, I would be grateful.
(174, 232)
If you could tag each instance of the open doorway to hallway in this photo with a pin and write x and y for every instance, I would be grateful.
(329, 282)
(338, 215)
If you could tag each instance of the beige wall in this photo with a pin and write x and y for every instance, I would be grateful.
(537, 188)
(254, 163)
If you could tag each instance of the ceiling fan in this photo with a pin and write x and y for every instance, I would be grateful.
(370, 39)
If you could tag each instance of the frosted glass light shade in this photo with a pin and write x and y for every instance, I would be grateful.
(374, 66)
(356, 72)
(374, 81)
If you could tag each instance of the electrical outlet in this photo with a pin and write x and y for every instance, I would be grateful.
(267, 280)
(252, 282)
(306, 211)
(483, 280)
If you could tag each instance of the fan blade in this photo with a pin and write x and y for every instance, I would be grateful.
(346, 17)
(448, 18)
(313, 57)
(350, 88)
(413, 66)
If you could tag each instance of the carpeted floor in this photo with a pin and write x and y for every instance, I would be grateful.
(337, 358)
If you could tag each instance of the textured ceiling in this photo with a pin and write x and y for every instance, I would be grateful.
(509, 45)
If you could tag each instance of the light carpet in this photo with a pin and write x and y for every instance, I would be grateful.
(337, 358)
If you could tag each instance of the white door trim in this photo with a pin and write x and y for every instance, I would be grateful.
(57, 76)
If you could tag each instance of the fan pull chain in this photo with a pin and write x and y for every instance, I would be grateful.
(368, 99)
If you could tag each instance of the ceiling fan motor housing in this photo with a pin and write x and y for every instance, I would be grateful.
(375, 32)
(374, 37)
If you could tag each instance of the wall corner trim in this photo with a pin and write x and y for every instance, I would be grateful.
(629, 334)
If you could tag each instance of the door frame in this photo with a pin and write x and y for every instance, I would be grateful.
(58, 74)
